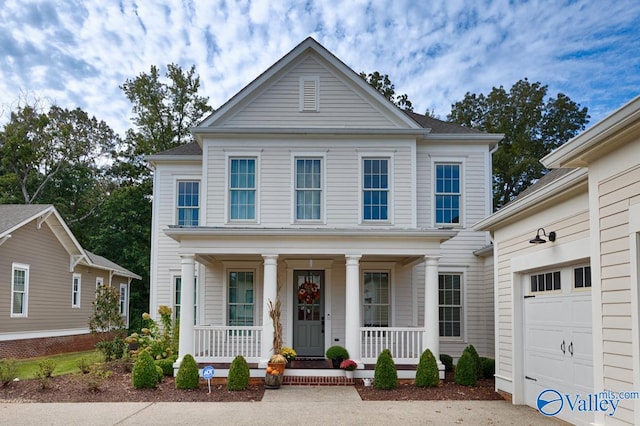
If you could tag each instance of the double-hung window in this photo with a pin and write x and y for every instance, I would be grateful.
(308, 189)
(19, 289)
(448, 193)
(76, 282)
(178, 298)
(376, 299)
(375, 189)
(188, 202)
(450, 304)
(240, 304)
(242, 189)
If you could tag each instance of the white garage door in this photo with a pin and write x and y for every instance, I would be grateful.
(558, 352)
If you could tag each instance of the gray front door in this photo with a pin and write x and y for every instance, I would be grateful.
(308, 317)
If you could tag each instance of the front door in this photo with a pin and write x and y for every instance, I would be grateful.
(308, 322)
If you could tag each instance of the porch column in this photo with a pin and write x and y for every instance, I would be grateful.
(270, 292)
(352, 308)
(187, 277)
(431, 310)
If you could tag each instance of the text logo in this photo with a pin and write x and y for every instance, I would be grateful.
(550, 402)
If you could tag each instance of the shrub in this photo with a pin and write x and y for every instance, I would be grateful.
(466, 370)
(84, 365)
(238, 374)
(45, 372)
(427, 374)
(187, 377)
(95, 377)
(337, 352)
(166, 364)
(159, 372)
(7, 370)
(160, 341)
(112, 349)
(476, 360)
(144, 374)
(447, 360)
(488, 367)
(385, 375)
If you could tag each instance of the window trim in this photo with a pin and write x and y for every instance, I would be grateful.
(124, 310)
(463, 190)
(227, 211)
(176, 183)
(25, 307)
(573, 278)
(235, 266)
(390, 305)
(323, 184)
(553, 272)
(76, 294)
(377, 155)
(463, 305)
(174, 280)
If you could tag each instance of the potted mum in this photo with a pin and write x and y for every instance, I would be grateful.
(348, 365)
(289, 353)
(337, 354)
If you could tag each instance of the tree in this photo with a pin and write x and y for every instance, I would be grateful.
(532, 128)
(383, 84)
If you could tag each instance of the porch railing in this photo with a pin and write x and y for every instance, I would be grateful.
(224, 343)
(405, 343)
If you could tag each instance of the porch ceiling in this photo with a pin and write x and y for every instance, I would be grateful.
(401, 243)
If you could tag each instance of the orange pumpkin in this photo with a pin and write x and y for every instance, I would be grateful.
(269, 370)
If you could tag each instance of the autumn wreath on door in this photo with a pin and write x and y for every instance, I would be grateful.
(308, 292)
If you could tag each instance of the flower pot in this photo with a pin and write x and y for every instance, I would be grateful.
(349, 374)
(336, 362)
(273, 377)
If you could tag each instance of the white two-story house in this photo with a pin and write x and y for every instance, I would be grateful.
(310, 187)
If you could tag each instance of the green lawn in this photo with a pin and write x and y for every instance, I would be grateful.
(65, 363)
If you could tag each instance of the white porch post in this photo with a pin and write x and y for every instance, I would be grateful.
(352, 308)
(187, 277)
(431, 310)
(270, 292)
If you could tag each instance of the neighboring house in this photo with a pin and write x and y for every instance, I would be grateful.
(311, 187)
(567, 311)
(48, 282)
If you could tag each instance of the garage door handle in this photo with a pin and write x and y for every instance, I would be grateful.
(562, 347)
(571, 348)
(530, 378)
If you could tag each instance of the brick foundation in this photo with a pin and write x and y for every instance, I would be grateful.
(45, 346)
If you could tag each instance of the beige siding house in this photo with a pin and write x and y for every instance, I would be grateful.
(567, 311)
(310, 187)
(48, 282)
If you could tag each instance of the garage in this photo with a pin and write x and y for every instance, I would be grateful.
(558, 349)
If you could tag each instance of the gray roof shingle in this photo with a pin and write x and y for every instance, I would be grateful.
(12, 215)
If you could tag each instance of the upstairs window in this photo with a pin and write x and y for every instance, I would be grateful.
(447, 193)
(188, 202)
(242, 189)
(308, 188)
(375, 189)
(376, 299)
(19, 290)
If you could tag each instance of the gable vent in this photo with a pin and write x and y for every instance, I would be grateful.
(309, 93)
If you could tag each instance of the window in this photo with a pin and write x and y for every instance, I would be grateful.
(376, 299)
(549, 281)
(308, 188)
(447, 193)
(188, 202)
(75, 290)
(240, 302)
(19, 290)
(178, 298)
(375, 189)
(123, 299)
(450, 305)
(242, 189)
(582, 277)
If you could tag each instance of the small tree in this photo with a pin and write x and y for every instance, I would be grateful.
(187, 377)
(239, 374)
(385, 375)
(106, 318)
(427, 374)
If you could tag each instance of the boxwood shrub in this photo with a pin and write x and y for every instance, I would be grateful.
(385, 375)
(238, 374)
(144, 374)
(427, 374)
(187, 377)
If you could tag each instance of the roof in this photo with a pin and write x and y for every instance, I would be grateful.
(545, 180)
(439, 126)
(15, 216)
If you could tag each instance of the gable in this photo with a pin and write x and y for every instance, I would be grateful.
(309, 88)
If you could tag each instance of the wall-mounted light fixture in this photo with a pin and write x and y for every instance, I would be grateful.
(539, 240)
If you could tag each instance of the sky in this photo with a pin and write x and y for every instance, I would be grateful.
(79, 53)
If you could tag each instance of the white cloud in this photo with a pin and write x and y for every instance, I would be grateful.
(79, 53)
